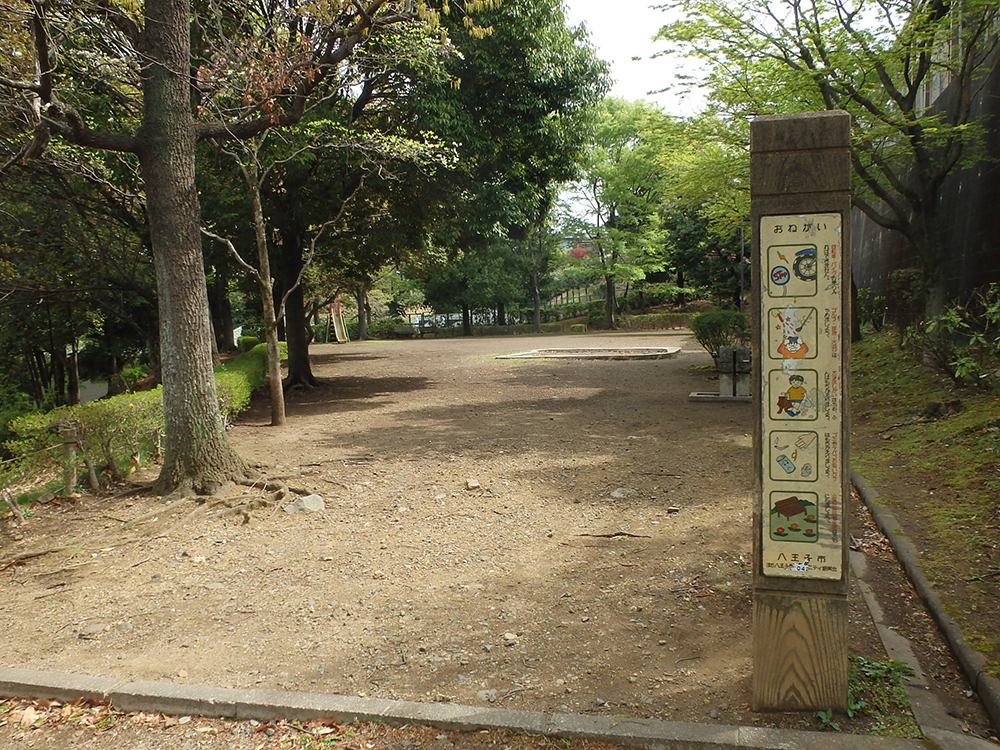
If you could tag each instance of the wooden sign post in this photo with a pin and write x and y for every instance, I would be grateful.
(800, 185)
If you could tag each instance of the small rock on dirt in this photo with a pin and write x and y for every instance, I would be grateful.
(307, 504)
(472, 484)
(621, 493)
(487, 695)
(89, 632)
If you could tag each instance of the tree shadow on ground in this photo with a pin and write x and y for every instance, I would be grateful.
(337, 396)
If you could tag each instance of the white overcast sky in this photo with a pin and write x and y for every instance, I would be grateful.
(623, 29)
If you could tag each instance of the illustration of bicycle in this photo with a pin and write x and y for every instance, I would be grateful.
(805, 264)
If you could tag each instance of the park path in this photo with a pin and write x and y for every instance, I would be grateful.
(540, 534)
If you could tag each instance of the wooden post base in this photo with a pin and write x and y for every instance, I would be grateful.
(799, 651)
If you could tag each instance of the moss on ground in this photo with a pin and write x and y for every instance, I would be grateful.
(940, 472)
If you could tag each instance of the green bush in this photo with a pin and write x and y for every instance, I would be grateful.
(578, 328)
(963, 341)
(654, 321)
(236, 380)
(246, 343)
(13, 404)
(595, 313)
(871, 308)
(382, 328)
(120, 431)
(661, 293)
(907, 298)
(717, 328)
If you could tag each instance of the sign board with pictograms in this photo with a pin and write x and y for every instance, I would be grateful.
(802, 382)
(800, 176)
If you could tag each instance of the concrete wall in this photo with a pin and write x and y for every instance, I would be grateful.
(971, 203)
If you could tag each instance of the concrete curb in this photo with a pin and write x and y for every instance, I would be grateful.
(648, 734)
(973, 662)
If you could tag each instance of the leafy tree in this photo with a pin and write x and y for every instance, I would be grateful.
(703, 258)
(884, 62)
(615, 201)
(124, 84)
(489, 279)
(76, 272)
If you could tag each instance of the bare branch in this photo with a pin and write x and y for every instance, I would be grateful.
(315, 238)
(232, 249)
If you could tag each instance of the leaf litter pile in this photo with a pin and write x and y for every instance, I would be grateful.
(99, 726)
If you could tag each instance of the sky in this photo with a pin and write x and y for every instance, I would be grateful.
(623, 29)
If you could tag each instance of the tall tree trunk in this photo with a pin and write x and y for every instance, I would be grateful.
(36, 381)
(198, 455)
(275, 389)
(609, 302)
(73, 375)
(362, 299)
(299, 369)
(59, 376)
(536, 298)
(466, 320)
(501, 314)
(221, 310)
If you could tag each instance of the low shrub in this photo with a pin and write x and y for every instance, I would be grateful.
(578, 328)
(383, 328)
(654, 321)
(870, 308)
(122, 431)
(236, 380)
(661, 293)
(595, 313)
(246, 343)
(717, 328)
(963, 341)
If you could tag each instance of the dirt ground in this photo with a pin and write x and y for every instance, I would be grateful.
(540, 534)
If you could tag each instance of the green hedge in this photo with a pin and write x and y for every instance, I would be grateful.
(717, 328)
(246, 343)
(518, 329)
(119, 431)
(654, 321)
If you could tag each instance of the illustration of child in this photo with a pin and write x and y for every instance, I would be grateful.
(795, 400)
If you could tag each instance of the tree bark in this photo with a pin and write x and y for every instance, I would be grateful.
(59, 377)
(609, 302)
(198, 456)
(222, 311)
(299, 369)
(73, 373)
(466, 320)
(275, 388)
(362, 299)
(536, 298)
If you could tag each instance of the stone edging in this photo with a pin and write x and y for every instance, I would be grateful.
(265, 705)
(973, 662)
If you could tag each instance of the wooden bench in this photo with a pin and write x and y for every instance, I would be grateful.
(404, 332)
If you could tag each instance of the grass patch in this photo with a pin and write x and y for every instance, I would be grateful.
(941, 473)
(876, 689)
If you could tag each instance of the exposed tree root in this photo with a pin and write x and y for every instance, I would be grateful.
(179, 511)
(168, 508)
(22, 556)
